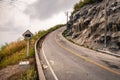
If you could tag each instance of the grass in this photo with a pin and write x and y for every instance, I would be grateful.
(64, 33)
(28, 74)
(44, 32)
(79, 5)
(15, 52)
(13, 59)
(12, 48)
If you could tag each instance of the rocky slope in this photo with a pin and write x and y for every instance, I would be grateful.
(87, 26)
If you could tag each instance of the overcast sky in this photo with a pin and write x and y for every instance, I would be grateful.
(16, 16)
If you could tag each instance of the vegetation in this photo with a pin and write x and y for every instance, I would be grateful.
(44, 32)
(15, 52)
(64, 33)
(28, 74)
(79, 5)
(12, 48)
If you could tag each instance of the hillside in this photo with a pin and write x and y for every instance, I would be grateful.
(86, 26)
(11, 54)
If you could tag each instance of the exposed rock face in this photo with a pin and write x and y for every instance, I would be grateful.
(86, 26)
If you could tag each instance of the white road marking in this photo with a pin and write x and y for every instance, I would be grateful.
(51, 62)
(87, 59)
(45, 66)
(53, 73)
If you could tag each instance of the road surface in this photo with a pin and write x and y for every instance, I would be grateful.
(63, 60)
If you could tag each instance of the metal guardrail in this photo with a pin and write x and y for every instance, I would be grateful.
(37, 57)
(38, 62)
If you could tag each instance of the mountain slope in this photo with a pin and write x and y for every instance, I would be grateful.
(87, 25)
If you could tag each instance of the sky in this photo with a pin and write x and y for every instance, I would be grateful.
(17, 16)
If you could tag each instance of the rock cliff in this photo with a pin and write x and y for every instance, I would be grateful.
(87, 26)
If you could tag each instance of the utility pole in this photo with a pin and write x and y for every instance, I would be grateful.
(66, 19)
(105, 36)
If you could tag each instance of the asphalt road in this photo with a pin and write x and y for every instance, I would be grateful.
(64, 60)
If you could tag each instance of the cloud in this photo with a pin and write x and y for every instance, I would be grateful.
(56, 19)
(12, 16)
(44, 9)
(16, 16)
(13, 20)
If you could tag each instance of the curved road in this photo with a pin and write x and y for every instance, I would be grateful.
(63, 60)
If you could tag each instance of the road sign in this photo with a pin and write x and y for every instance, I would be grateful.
(27, 34)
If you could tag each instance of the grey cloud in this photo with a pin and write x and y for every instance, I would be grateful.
(44, 9)
(11, 17)
(7, 28)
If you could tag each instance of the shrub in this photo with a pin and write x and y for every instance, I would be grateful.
(28, 75)
(44, 32)
(11, 49)
(32, 52)
(77, 6)
(13, 59)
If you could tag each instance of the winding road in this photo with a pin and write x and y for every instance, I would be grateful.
(63, 60)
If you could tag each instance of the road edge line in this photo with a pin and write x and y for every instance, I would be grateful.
(87, 59)
(53, 73)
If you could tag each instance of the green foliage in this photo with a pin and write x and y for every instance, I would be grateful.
(13, 59)
(32, 52)
(12, 48)
(64, 33)
(28, 75)
(77, 6)
(4, 46)
(44, 32)
(39, 34)
(55, 27)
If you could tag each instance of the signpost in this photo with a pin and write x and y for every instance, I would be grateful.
(27, 35)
